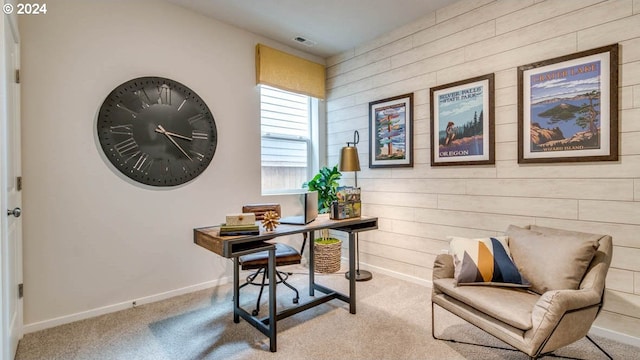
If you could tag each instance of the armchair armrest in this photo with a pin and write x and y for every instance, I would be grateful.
(557, 302)
(443, 267)
(550, 310)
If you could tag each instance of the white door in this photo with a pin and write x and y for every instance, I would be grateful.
(10, 197)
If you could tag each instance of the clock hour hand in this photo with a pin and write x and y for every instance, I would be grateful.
(163, 131)
(171, 133)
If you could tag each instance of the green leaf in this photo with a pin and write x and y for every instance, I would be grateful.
(326, 184)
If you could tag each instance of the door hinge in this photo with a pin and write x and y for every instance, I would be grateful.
(20, 291)
(17, 76)
(19, 183)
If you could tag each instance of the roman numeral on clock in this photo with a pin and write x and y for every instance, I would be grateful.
(144, 98)
(143, 163)
(126, 147)
(133, 113)
(122, 129)
(195, 134)
(164, 94)
(182, 104)
(195, 118)
(197, 155)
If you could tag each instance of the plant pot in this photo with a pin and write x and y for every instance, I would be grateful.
(327, 255)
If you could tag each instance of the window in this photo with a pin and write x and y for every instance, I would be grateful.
(286, 146)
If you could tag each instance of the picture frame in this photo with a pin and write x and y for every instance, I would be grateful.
(391, 132)
(568, 108)
(463, 122)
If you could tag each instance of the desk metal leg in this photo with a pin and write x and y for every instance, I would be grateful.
(312, 269)
(352, 270)
(272, 299)
(236, 289)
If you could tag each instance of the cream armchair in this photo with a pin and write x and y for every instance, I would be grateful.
(567, 271)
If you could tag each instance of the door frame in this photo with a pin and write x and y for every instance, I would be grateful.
(11, 324)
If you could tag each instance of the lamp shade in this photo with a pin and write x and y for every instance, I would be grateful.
(349, 160)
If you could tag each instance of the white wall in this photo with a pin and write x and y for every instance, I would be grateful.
(94, 241)
(418, 207)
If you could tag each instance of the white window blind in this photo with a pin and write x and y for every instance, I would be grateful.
(286, 139)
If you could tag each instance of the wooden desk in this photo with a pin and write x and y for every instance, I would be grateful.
(235, 246)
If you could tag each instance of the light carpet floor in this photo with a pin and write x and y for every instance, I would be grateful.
(393, 321)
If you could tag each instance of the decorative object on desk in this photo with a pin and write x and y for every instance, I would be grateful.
(327, 253)
(270, 220)
(391, 132)
(348, 204)
(349, 161)
(325, 182)
(260, 209)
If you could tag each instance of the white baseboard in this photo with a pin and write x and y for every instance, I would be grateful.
(397, 275)
(37, 326)
(614, 335)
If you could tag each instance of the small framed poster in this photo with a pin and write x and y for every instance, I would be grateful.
(391, 132)
(462, 122)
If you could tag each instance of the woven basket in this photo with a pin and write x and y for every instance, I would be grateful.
(326, 257)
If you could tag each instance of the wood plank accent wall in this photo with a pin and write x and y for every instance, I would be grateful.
(418, 207)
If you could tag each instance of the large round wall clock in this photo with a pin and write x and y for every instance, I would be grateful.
(157, 131)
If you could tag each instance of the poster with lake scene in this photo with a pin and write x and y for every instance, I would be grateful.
(566, 112)
(462, 122)
(391, 132)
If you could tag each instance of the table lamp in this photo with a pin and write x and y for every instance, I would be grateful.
(349, 161)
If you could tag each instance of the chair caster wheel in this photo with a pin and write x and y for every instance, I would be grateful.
(254, 312)
(295, 300)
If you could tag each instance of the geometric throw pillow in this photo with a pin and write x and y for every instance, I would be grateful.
(485, 262)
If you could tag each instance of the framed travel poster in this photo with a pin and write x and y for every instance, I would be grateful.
(568, 108)
(391, 132)
(462, 122)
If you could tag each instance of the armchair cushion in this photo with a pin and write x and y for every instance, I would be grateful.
(551, 259)
(509, 305)
(484, 262)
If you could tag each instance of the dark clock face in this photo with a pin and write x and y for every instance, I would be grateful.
(157, 131)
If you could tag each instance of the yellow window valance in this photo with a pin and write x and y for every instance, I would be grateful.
(288, 72)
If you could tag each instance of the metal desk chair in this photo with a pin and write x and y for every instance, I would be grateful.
(285, 255)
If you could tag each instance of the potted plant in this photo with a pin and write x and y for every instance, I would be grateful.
(327, 250)
(326, 184)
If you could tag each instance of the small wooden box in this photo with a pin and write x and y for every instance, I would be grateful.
(241, 219)
(260, 209)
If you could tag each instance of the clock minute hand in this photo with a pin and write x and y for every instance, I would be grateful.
(163, 131)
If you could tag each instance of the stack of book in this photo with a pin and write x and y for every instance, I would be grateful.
(240, 224)
(236, 230)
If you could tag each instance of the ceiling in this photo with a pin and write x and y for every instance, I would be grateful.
(333, 25)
